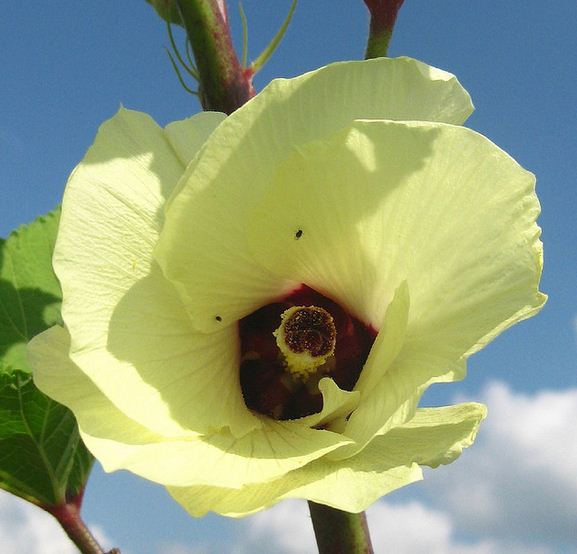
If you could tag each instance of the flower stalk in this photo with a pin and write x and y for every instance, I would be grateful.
(68, 516)
(339, 532)
(224, 84)
(383, 18)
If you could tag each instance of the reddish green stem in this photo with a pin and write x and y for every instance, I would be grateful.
(383, 18)
(339, 532)
(224, 84)
(68, 515)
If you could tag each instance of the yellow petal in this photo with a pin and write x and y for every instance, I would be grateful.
(111, 217)
(188, 136)
(337, 405)
(241, 157)
(158, 369)
(121, 443)
(436, 206)
(434, 436)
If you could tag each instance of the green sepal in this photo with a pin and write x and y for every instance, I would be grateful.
(167, 9)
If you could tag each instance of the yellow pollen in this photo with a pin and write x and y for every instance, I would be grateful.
(306, 337)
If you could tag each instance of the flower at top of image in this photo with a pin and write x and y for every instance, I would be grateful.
(254, 304)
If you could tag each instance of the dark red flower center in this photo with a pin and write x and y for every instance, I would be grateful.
(267, 385)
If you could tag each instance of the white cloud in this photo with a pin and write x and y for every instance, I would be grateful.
(177, 548)
(513, 492)
(103, 539)
(27, 529)
(287, 526)
(413, 528)
(519, 481)
(410, 528)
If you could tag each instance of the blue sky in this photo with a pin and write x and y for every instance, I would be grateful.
(67, 66)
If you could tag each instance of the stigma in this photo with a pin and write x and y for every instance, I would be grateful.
(306, 338)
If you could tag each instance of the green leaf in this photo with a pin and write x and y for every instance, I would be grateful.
(29, 291)
(42, 457)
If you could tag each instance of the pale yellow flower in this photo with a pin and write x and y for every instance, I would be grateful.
(353, 187)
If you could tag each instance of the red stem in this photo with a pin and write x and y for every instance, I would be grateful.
(68, 515)
(224, 84)
(383, 17)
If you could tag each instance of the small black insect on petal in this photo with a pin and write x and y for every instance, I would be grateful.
(218, 318)
(298, 234)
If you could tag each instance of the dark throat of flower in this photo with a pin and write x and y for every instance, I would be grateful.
(289, 345)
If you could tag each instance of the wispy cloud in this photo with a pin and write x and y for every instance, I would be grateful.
(176, 548)
(286, 527)
(414, 528)
(519, 481)
(26, 529)
(512, 493)
(408, 528)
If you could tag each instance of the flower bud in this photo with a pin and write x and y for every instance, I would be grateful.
(167, 9)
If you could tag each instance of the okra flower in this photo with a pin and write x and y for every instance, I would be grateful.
(253, 305)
